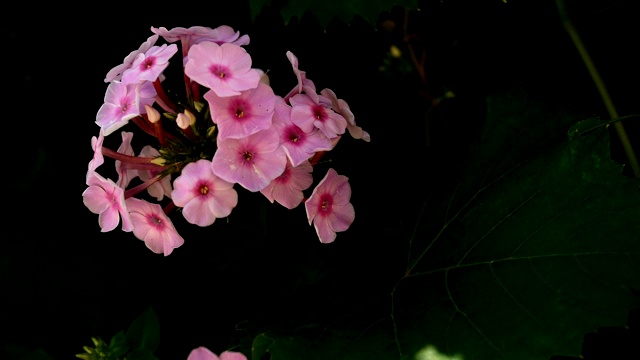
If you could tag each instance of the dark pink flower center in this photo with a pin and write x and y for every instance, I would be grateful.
(148, 63)
(240, 109)
(294, 134)
(319, 112)
(247, 156)
(219, 71)
(155, 221)
(325, 203)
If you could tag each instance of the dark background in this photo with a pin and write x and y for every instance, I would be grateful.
(62, 281)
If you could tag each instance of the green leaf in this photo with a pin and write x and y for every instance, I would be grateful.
(325, 11)
(118, 345)
(535, 246)
(144, 331)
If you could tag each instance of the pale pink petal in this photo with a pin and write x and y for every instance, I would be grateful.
(202, 353)
(232, 355)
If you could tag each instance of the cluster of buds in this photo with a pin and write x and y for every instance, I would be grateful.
(225, 128)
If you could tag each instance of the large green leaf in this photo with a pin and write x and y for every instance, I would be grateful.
(536, 245)
(325, 11)
(539, 247)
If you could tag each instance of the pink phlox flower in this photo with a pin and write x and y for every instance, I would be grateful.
(161, 188)
(145, 95)
(300, 75)
(120, 105)
(150, 64)
(197, 34)
(98, 158)
(287, 188)
(309, 114)
(242, 115)
(106, 198)
(297, 144)
(225, 69)
(304, 85)
(253, 161)
(152, 226)
(203, 196)
(125, 173)
(202, 353)
(116, 72)
(341, 107)
(329, 206)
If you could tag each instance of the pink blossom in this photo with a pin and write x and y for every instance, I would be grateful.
(297, 144)
(309, 114)
(341, 107)
(145, 95)
(202, 353)
(329, 206)
(197, 34)
(203, 195)
(225, 69)
(105, 198)
(161, 188)
(98, 158)
(287, 188)
(149, 65)
(304, 85)
(120, 105)
(152, 226)
(300, 75)
(242, 115)
(253, 161)
(116, 72)
(125, 174)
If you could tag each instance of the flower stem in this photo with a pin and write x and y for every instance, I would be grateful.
(604, 94)
(139, 188)
(163, 98)
(136, 162)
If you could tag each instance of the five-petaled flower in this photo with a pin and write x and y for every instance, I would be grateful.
(329, 207)
(203, 196)
(152, 226)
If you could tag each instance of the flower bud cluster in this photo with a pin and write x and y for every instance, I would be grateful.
(223, 129)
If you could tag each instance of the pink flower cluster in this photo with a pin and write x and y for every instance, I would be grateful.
(226, 127)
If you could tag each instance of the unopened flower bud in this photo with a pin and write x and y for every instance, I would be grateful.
(159, 161)
(192, 118)
(152, 114)
(183, 121)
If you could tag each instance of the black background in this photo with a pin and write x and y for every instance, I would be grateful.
(62, 281)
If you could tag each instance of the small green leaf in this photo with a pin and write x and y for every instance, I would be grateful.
(118, 345)
(144, 331)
